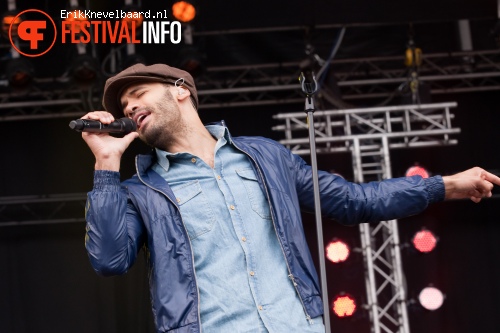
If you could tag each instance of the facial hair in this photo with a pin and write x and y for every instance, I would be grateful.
(168, 125)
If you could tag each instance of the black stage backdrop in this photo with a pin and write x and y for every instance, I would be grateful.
(48, 286)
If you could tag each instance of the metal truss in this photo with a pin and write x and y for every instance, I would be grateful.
(385, 288)
(379, 78)
(404, 126)
(351, 79)
(47, 99)
(369, 134)
(42, 209)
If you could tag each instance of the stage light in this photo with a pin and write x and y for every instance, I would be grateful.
(417, 170)
(424, 241)
(413, 56)
(184, 11)
(77, 16)
(20, 73)
(337, 251)
(344, 305)
(84, 70)
(7, 20)
(431, 298)
(191, 60)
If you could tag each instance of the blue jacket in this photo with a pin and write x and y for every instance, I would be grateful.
(142, 211)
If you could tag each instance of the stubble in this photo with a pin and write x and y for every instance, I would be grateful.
(168, 127)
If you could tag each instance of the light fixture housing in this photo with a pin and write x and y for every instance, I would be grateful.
(431, 298)
(424, 241)
(337, 251)
(344, 305)
(20, 73)
(85, 70)
(77, 16)
(191, 59)
(417, 170)
(10, 18)
(184, 11)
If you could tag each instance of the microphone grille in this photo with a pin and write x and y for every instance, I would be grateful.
(76, 125)
(128, 125)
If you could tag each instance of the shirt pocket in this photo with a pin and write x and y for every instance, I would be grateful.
(196, 211)
(257, 199)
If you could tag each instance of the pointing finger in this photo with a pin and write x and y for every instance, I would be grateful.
(491, 178)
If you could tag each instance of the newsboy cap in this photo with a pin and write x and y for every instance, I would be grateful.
(141, 73)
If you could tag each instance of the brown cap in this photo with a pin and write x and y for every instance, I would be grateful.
(141, 73)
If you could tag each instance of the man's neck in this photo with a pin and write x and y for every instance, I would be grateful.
(199, 142)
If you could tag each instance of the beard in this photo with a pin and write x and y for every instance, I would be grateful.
(167, 126)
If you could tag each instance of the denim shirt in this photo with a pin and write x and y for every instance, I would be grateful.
(240, 267)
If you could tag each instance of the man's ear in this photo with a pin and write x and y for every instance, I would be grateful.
(182, 93)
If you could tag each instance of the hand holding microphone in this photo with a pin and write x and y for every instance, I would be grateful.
(95, 128)
(122, 125)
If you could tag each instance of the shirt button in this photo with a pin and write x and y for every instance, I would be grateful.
(244, 239)
(178, 200)
(193, 160)
(232, 207)
(218, 177)
(260, 307)
(252, 273)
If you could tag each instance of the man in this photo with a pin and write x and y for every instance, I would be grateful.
(220, 215)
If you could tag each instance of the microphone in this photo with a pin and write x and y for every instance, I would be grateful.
(122, 125)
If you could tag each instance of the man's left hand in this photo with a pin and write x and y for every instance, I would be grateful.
(475, 183)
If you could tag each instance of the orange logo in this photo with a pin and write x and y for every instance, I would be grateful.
(34, 31)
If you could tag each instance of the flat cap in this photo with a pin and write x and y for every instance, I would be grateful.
(141, 73)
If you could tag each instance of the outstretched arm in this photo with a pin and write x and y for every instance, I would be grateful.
(474, 183)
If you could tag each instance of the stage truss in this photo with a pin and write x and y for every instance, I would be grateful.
(369, 134)
(377, 79)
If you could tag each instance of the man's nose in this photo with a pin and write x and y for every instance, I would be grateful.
(131, 108)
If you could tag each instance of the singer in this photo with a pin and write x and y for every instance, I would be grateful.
(220, 215)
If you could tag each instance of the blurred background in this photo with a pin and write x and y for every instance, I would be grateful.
(246, 58)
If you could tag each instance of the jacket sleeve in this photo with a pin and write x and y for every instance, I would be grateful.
(350, 203)
(114, 231)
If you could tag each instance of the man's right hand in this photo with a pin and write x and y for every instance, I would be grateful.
(107, 149)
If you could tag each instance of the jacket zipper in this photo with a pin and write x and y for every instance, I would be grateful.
(290, 275)
(189, 241)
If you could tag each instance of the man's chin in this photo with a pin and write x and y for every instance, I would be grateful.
(152, 138)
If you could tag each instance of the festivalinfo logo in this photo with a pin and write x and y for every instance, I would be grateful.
(40, 31)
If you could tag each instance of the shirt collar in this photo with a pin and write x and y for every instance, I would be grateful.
(218, 132)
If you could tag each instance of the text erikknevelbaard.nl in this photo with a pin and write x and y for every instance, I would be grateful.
(95, 26)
